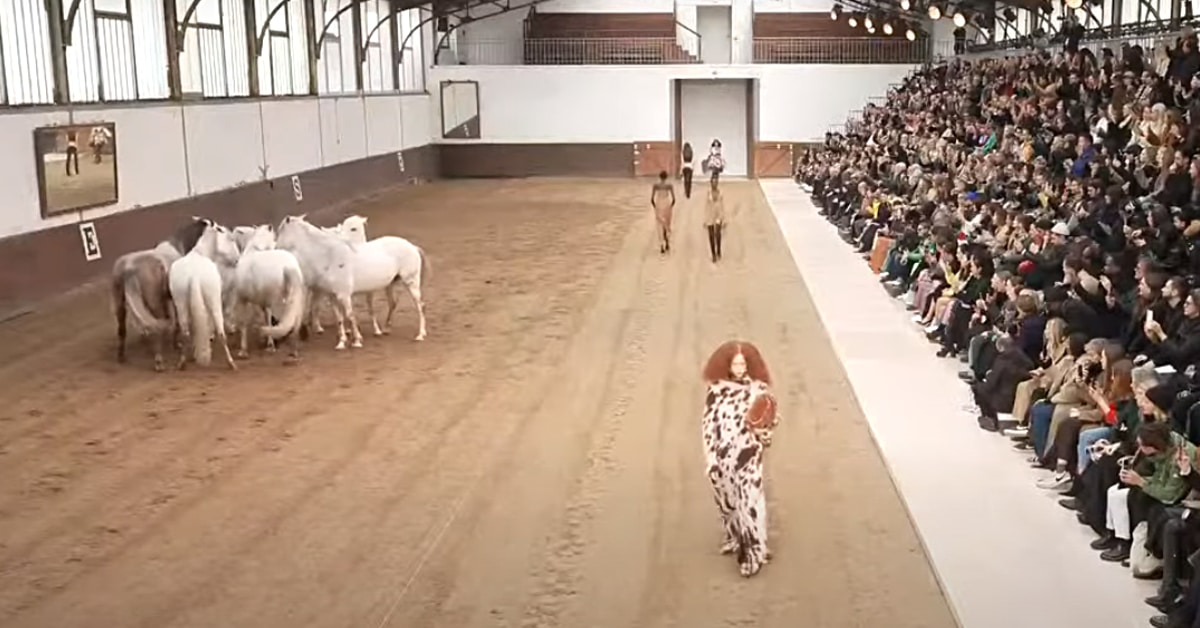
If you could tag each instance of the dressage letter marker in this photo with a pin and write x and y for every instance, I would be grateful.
(296, 191)
(91, 242)
(400, 160)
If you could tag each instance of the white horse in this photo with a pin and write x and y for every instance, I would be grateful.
(266, 276)
(195, 284)
(327, 263)
(382, 263)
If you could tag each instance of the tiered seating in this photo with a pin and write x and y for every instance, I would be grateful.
(602, 39)
(814, 38)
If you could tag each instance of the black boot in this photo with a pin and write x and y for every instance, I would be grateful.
(720, 229)
(1167, 598)
(1106, 541)
(1117, 553)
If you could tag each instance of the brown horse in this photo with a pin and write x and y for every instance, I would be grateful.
(139, 286)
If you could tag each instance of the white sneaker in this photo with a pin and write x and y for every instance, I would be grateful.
(1055, 482)
(916, 318)
(932, 327)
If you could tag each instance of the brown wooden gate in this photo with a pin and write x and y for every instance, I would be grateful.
(651, 158)
(773, 159)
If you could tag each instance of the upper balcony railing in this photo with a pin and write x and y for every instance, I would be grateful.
(859, 50)
(670, 51)
(571, 51)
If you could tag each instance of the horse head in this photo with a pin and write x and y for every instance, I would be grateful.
(217, 244)
(185, 238)
(354, 229)
(261, 238)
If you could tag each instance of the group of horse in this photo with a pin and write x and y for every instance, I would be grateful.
(207, 281)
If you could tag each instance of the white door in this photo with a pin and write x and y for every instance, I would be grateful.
(715, 25)
(716, 109)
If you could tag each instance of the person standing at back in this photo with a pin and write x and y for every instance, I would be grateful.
(714, 218)
(662, 199)
(686, 169)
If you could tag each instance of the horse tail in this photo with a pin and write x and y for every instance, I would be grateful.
(425, 269)
(201, 323)
(293, 282)
(136, 304)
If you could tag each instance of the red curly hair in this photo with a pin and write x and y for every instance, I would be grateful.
(717, 367)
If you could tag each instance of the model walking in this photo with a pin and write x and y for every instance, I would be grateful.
(686, 169)
(662, 199)
(714, 218)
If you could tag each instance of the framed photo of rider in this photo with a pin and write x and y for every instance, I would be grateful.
(76, 166)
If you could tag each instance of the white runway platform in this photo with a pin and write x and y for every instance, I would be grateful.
(1005, 553)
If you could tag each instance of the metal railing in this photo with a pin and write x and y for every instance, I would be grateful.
(836, 50)
(574, 51)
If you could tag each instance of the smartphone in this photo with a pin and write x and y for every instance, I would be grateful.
(1149, 316)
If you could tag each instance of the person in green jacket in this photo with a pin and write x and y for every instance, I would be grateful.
(1159, 475)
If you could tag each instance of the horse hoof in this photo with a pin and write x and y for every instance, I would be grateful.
(357, 344)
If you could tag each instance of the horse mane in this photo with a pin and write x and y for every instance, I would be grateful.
(185, 238)
(717, 367)
(328, 238)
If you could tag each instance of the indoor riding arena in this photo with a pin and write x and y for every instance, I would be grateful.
(536, 460)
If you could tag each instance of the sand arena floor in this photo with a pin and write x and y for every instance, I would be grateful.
(536, 462)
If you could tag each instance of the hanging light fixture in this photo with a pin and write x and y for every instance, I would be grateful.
(853, 21)
(910, 35)
(869, 24)
(905, 5)
(960, 20)
(934, 12)
(887, 28)
(871, 30)
(1074, 4)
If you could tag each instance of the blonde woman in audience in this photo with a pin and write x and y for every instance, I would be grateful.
(1045, 381)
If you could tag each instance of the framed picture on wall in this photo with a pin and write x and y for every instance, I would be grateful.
(76, 166)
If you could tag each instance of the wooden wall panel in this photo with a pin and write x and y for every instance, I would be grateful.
(773, 159)
(651, 158)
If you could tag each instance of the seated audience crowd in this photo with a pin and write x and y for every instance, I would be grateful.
(1039, 215)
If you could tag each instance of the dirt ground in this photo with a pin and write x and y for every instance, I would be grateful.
(536, 462)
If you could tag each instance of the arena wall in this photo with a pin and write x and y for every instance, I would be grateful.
(583, 120)
(230, 160)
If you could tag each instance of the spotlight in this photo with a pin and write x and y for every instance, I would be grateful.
(1074, 4)
(869, 24)
(887, 28)
(910, 35)
(905, 4)
(833, 14)
(871, 30)
(934, 12)
(960, 20)
(853, 21)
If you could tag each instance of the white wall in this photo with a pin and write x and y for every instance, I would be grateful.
(715, 25)
(171, 151)
(613, 104)
(497, 40)
(716, 110)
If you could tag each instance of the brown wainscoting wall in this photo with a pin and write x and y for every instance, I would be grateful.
(651, 158)
(480, 160)
(45, 263)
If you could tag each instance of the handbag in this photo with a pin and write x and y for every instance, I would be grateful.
(1141, 561)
